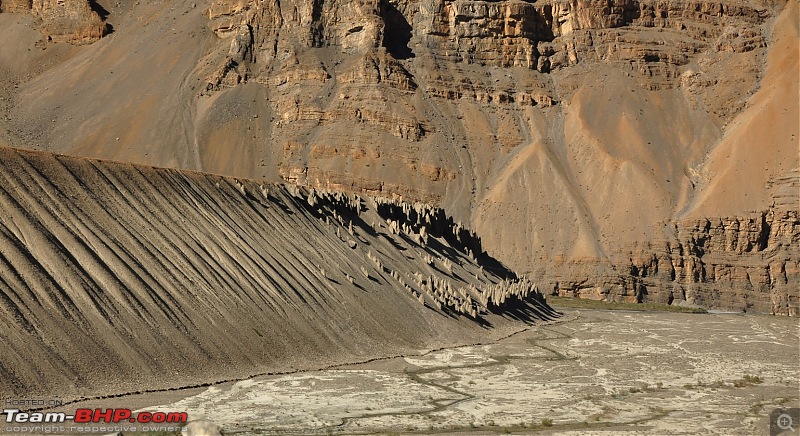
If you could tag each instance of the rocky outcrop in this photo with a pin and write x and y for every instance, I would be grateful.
(72, 21)
(747, 263)
(450, 35)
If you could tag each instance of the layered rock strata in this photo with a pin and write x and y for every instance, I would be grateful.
(745, 263)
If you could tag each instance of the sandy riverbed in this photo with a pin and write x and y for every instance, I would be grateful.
(640, 373)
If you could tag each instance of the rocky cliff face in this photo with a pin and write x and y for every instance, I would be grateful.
(589, 143)
(333, 64)
(734, 263)
(747, 262)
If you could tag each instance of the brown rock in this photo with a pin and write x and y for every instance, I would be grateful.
(71, 21)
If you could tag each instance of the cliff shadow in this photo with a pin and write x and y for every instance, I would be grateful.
(103, 13)
(397, 33)
(529, 310)
(99, 9)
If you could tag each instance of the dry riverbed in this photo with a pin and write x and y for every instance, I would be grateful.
(601, 371)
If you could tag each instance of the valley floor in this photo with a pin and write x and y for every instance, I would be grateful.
(595, 372)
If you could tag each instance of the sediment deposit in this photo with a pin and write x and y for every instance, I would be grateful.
(116, 278)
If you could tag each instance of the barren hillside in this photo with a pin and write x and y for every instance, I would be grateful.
(117, 278)
(634, 150)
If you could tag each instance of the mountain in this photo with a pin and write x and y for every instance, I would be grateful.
(624, 150)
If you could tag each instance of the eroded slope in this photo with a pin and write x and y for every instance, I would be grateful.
(117, 278)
